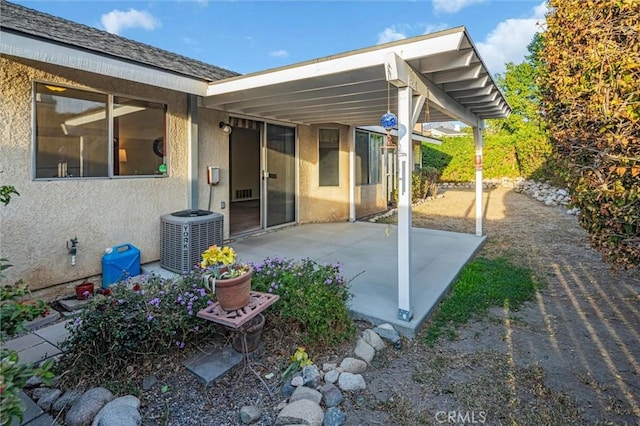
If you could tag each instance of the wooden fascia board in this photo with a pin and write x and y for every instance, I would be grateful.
(334, 65)
(20, 46)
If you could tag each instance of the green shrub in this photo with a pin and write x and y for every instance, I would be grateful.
(425, 183)
(312, 296)
(13, 376)
(132, 325)
(14, 312)
(591, 102)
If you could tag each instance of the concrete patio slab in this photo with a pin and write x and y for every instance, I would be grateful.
(369, 253)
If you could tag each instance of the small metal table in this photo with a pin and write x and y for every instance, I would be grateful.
(235, 320)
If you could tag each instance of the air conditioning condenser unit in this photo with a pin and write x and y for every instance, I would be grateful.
(184, 235)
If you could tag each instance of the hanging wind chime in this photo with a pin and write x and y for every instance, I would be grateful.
(389, 121)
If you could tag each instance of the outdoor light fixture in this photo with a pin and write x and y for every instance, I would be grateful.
(225, 127)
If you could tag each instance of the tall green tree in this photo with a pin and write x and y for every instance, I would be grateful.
(524, 128)
(591, 101)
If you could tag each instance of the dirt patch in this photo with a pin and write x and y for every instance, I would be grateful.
(569, 357)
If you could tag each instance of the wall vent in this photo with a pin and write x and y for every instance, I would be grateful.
(185, 235)
(243, 193)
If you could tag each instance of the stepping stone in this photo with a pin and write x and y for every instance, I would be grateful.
(73, 304)
(54, 334)
(41, 321)
(213, 362)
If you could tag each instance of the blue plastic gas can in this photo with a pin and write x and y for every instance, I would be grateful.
(119, 263)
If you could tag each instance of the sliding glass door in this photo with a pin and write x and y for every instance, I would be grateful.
(280, 175)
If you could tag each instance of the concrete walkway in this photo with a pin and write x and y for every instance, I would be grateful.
(41, 343)
(369, 253)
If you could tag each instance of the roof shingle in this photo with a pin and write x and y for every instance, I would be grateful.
(19, 19)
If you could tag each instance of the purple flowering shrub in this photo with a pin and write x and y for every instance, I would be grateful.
(132, 325)
(313, 298)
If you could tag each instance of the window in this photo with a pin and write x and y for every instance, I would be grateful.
(368, 147)
(72, 129)
(329, 153)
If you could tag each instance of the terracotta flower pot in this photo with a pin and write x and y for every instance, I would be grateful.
(84, 291)
(234, 293)
(253, 331)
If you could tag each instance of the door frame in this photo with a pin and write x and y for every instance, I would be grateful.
(263, 169)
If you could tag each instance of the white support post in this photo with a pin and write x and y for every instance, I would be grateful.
(405, 168)
(477, 137)
(352, 174)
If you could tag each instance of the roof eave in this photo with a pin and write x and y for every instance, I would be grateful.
(32, 48)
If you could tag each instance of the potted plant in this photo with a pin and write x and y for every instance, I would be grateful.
(84, 291)
(230, 281)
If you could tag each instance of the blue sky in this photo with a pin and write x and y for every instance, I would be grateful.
(248, 36)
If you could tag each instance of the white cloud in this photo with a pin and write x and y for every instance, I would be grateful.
(432, 28)
(508, 41)
(117, 20)
(279, 54)
(452, 6)
(390, 34)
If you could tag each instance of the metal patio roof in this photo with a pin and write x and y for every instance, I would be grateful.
(352, 88)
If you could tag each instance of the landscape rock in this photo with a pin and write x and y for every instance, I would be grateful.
(364, 350)
(39, 392)
(49, 398)
(328, 366)
(297, 381)
(353, 365)
(250, 414)
(387, 332)
(287, 389)
(304, 392)
(331, 376)
(331, 395)
(33, 382)
(148, 382)
(120, 411)
(310, 376)
(301, 412)
(67, 399)
(334, 417)
(351, 382)
(544, 192)
(373, 339)
(87, 406)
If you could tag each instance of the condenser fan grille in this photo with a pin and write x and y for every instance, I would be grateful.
(185, 235)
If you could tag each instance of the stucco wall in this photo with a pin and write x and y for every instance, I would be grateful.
(101, 213)
(322, 203)
(370, 199)
(213, 150)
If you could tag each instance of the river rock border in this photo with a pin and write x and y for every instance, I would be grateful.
(313, 396)
(95, 407)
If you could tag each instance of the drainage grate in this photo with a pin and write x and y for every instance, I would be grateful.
(258, 302)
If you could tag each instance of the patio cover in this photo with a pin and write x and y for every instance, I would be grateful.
(351, 88)
(435, 77)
